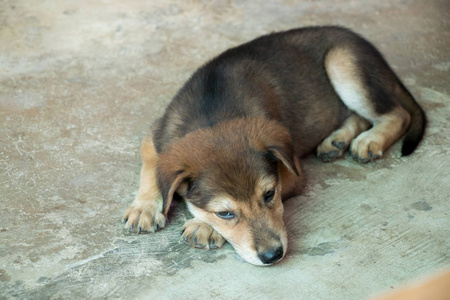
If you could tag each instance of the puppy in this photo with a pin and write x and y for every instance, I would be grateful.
(230, 140)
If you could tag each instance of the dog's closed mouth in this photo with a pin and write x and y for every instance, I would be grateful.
(230, 141)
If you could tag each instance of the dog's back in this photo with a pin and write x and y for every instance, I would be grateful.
(280, 76)
(230, 140)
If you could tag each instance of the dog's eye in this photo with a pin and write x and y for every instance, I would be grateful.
(268, 196)
(225, 214)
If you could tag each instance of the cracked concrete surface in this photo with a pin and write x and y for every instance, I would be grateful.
(80, 82)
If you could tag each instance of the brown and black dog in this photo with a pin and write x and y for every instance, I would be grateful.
(230, 140)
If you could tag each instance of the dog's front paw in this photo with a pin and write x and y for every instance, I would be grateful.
(331, 148)
(144, 216)
(366, 147)
(200, 235)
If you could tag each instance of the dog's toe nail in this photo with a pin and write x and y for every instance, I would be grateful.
(125, 221)
(139, 230)
(339, 145)
(156, 227)
(197, 245)
(212, 244)
(324, 157)
(181, 232)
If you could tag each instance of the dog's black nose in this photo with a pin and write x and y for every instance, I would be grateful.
(271, 256)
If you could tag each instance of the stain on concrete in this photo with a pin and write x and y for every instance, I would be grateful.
(81, 82)
(142, 257)
(4, 276)
(43, 279)
(421, 205)
(366, 207)
(323, 248)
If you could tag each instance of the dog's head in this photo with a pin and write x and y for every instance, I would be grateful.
(229, 176)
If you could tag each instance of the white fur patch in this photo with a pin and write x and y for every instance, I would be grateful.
(342, 73)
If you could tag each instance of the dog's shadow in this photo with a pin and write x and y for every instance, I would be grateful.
(317, 177)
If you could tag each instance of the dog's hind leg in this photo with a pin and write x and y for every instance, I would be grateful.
(386, 130)
(368, 87)
(144, 214)
(338, 142)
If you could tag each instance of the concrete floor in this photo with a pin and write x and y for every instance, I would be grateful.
(80, 82)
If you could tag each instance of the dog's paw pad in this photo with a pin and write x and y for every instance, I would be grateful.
(328, 151)
(143, 217)
(329, 156)
(366, 148)
(216, 240)
(200, 235)
(333, 146)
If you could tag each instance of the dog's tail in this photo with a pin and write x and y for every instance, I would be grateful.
(416, 128)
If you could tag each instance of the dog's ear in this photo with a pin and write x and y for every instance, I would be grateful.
(278, 144)
(286, 156)
(169, 183)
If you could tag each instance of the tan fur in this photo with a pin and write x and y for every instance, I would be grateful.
(240, 232)
(230, 141)
(386, 129)
(144, 214)
(206, 230)
(342, 70)
(337, 143)
(291, 184)
(436, 288)
(214, 161)
(198, 234)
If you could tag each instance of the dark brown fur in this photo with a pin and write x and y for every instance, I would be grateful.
(235, 130)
